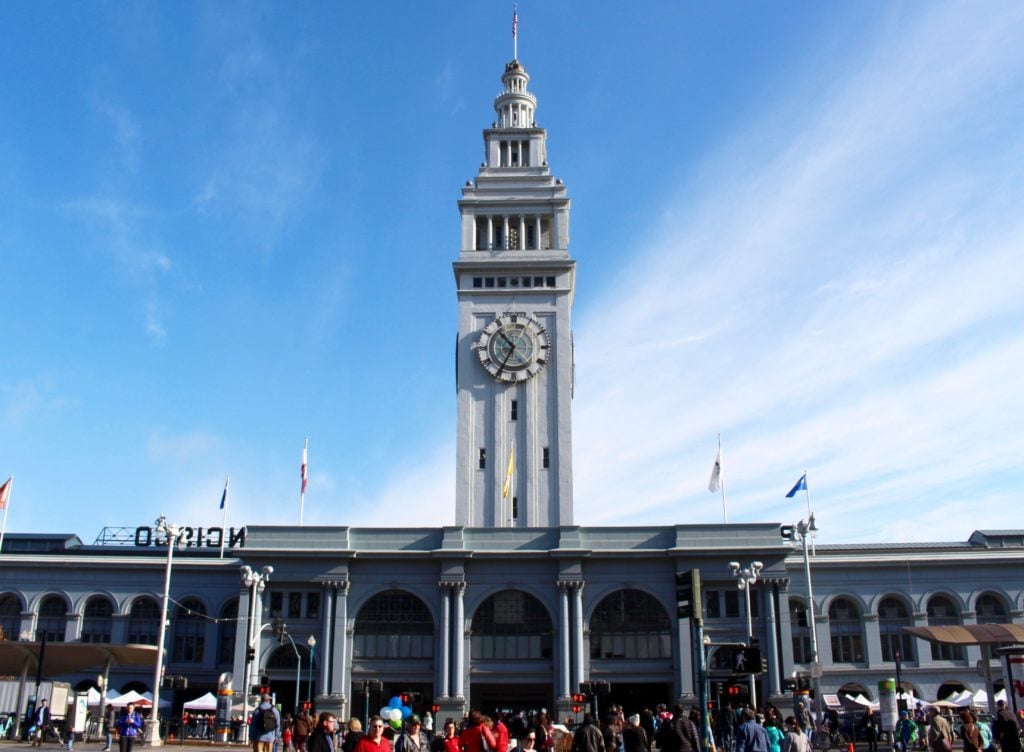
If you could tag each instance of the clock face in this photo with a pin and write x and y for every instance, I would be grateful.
(513, 347)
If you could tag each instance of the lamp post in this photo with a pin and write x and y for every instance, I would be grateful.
(281, 629)
(257, 583)
(311, 644)
(745, 579)
(806, 531)
(172, 535)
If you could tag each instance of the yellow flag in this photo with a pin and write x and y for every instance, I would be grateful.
(507, 485)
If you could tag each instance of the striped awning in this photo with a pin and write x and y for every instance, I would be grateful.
(971, 634)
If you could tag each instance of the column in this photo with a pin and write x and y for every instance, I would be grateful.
(522, 233)
(563, 635)
(577, 590)
(774, 681)
(490, 233)
(239, 666)
(872, 641)
(923, 649)
(536, 233)
(73, 628)
(443, 667)
(973, 652)
(460, 639)
(786, 663)
(326, 648)
(343, 682)
(504, 233)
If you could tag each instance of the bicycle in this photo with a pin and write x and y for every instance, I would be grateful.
(825, 739)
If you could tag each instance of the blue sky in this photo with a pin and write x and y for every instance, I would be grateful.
(225, 227)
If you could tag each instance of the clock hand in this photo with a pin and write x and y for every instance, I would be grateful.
(505, 361)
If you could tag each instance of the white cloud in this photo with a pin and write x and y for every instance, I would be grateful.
(163, 446)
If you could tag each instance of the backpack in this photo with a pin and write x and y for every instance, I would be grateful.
(268, 721)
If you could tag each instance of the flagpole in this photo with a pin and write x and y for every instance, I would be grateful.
(7, 505)
(515, 32)
(725, 506)
(807, 491)
(305, 474)
(224, 521)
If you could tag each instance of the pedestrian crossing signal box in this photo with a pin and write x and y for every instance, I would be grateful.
(688, 602)
(746, 660)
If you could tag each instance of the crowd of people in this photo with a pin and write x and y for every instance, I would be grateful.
(740, 729)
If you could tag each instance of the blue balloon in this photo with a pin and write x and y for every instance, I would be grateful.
(395, 702)
(406, 712)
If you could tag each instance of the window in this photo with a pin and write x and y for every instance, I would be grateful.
(143, 622)
(189, 632)
(515, 507)
(893, 615)
(546, 458)
(98, 620)
(991, 609)
(294, 605)
(226, 633)
(53, 619)
(514, 410)
(511, 625)
(276, 604)
(732, 604)
(942, 613)
(483, 459)
(10, 617)
(313, 606)
(712, 606)
(393, 624)
(478, 281)
(550, 281)
(800, 630)
(632, 625)
(847, 634)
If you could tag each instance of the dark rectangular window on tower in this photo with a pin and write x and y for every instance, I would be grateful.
(514, 410)
(515, 507)
(483, 459)
(546, 458)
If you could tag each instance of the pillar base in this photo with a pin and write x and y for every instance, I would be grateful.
(337, 704)
(448, 707)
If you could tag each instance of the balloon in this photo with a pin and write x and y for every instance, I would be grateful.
(396, 725)
(385, 712)
(406, 711)
(395, 702)
(396, 715)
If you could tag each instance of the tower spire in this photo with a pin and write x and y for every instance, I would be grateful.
(515, 31)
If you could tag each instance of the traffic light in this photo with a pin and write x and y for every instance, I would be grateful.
(601, 688)
(718, 688)
(250, 655)
(733, 690)
(579, 699)
(787, 532)
(586, 687)
(688, 603)
(746, 661)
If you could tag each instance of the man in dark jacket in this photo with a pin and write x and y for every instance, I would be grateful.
(677, 734)
(1006, 730)
(588, 737)
(750, 735)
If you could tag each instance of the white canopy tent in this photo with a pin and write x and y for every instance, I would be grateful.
(94, 696)
(207, 702)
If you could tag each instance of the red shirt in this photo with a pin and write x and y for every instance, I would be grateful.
(469, 739)
(366, 744)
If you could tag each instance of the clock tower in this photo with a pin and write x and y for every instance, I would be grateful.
(514, 360)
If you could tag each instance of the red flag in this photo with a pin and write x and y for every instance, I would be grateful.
(5, 492)
(305, 476)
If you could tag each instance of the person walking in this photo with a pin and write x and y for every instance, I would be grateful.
(129, 727)
(869, 724)
(476, 734)
(795, 739)
(302, 725)
(634, 738)
(108, 726)
(940, 733)
(412, 738)
(588, 737)
(969, 732)
(677, 733)
(265, 726)
(1006, 728)
(771, 728)
(373, 740)
(750, 735)
(905, 733)
(322, 738)
(41, 722)
(353, 733)
(448, 739)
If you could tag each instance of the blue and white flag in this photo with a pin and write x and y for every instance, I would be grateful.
(224, 496)
(801, 485)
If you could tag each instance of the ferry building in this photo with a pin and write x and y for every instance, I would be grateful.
(514, 606)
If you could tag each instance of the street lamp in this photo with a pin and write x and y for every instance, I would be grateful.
(806, 531)
(173, 534)
(745, 579)
(282, 631)
(311, 643)
(257, 583)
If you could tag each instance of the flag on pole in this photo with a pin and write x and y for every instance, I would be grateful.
(224, 496)
(507, 486)
(5, 492)
(305, 472)
(515, 22)
(716, 472)
(801, 485)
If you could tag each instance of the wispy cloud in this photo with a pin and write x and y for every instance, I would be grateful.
(163, 446)
(861, 272)
(23, 399)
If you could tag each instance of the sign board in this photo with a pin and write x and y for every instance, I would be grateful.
(831, 701)
(888, 714)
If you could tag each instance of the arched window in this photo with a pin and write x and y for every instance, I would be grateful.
(942, 612)
(226, 633)
(893, 615)
(846, 630)
(189, 631)
(630, 624)
(800, 629)
(393, 624)
(53, 619)
(991, 609)
(511, 625)
(143, 622)
(10, 617)
(98, 620)
(284, 657)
